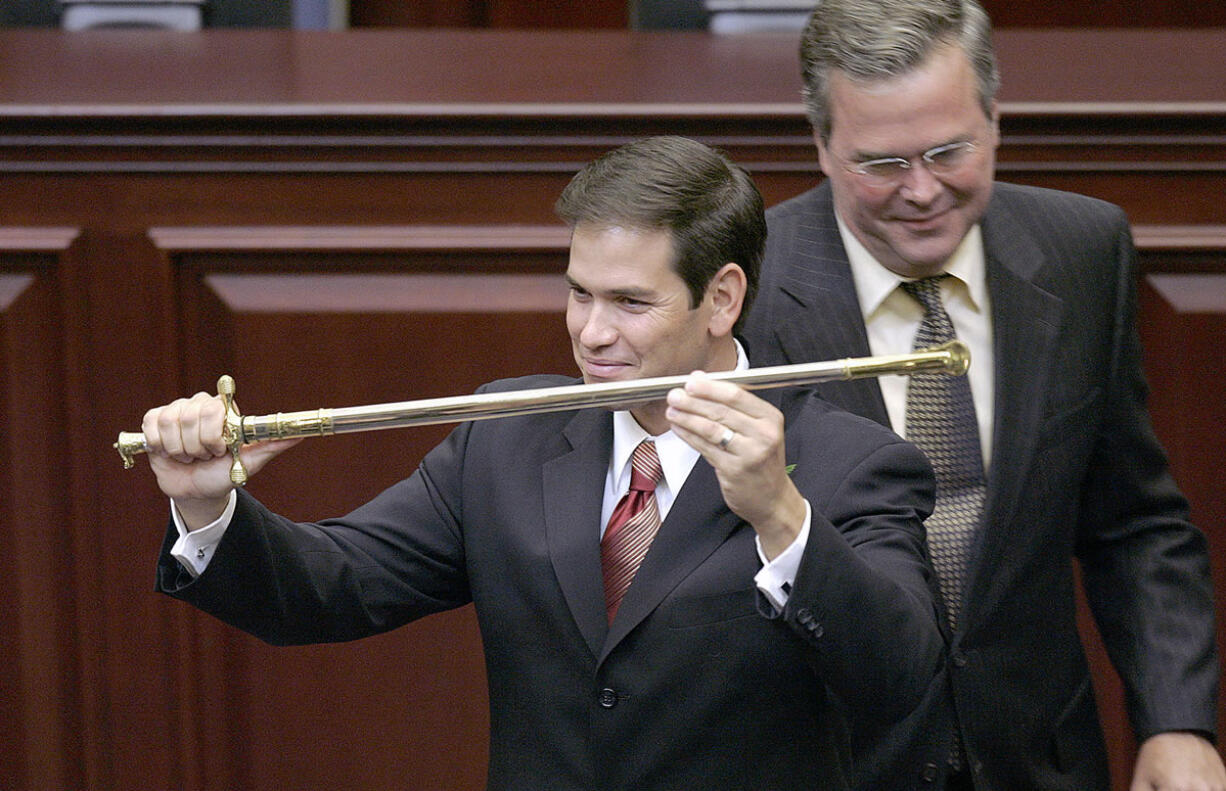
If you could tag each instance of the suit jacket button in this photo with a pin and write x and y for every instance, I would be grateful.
(930, 772)
(959, 659)
(607, 698)
(804, 616)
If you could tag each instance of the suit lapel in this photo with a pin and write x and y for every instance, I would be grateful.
(1026, 320)
(573, 492)
(819, 275)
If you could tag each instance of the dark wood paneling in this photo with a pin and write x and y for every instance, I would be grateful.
(305, 318)
(422, 13)
(614, 13)
(1105, 13)
(203, 172)
(489, 13)
(40, 716)
(555, 14)
(611, 13)
(1185, 329)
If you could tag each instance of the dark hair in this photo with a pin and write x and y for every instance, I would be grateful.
(710, 207)
(880, 39)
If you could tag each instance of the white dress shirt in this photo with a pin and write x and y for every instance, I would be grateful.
(892, 319)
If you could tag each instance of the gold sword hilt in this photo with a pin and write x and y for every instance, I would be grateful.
(131, 443)
(232, 429)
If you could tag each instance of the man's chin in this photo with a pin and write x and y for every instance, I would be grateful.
(922, 260)
(605, 377)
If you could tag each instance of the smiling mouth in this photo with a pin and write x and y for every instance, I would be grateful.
(928, 218)
(603, 369)
(929, 223)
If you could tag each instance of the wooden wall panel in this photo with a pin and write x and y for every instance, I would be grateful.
(1105, 13)
(39, 706)
(593, 14)
(1186, 328)
(1183, 307)
(613, 13)
(433, 13)
(1183, 301)
(341, 317)
(489, 13)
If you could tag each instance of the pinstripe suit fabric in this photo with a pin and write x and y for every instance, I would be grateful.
(1077, 473)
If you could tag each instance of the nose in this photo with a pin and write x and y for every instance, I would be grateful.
(919, 185)
(595, 328)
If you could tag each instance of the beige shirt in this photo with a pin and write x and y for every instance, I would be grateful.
(892, 318)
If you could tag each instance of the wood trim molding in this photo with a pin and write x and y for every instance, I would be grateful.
(36, 239)
(1180, 237)
(544, 238)
(504, 237)
(11, 287)
(1193, 292)
(389, 293)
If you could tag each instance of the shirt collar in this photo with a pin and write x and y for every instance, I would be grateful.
(874, 283)
(676, 457)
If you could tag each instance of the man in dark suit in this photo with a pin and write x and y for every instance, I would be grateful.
(1055, 457)
(782, 582)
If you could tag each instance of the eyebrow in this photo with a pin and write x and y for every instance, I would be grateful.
(867, 156)
(636, 293)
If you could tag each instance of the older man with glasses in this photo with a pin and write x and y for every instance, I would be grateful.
(1043, 455)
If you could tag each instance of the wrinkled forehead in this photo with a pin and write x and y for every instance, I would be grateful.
(940, 97)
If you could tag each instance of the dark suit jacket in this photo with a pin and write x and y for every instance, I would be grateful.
(691, 686)
(1076, 472)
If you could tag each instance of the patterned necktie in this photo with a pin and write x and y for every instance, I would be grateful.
(941, 422)
(632, 526)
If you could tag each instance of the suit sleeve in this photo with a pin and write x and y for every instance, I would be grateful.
(864, 597)
(1145, 566)
(394, 559)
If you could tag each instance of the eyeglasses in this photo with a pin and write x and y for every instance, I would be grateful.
(941, 160)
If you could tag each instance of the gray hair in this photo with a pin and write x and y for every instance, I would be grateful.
(880, 39)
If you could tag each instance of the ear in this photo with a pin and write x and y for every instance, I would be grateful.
(824, 159)
(726, 293)
(994, 118)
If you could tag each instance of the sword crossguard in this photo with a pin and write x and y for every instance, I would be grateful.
(232, 430)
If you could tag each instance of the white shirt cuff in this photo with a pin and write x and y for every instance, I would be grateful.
(194, 549)
(776, 577)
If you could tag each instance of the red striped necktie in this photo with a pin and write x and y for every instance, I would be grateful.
(632, 526)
